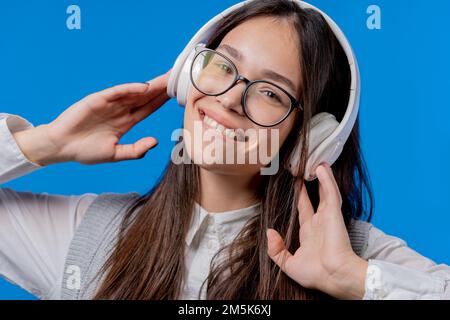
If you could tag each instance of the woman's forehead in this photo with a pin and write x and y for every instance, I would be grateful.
(264, 44)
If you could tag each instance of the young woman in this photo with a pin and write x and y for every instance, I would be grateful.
(211, 230)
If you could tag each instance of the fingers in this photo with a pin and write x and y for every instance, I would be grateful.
(159, 83)
(134, 151)
(124, 90)
(304, 206)
(148, 89)
(277, 251)
(328, 188)
(144, 111)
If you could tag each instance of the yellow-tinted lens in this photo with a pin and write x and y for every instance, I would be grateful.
(212, 73)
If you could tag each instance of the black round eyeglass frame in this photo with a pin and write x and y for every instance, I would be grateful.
(294, 102)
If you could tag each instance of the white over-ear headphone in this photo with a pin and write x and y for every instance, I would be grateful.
(326, 137)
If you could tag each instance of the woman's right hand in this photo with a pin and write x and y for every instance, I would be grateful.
(89, 131)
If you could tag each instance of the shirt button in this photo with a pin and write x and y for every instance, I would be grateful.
(210, 221)
(210, 244)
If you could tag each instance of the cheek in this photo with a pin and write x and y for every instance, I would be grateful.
(190, 112)
(277, 136)
(188, 116)
(193, 96)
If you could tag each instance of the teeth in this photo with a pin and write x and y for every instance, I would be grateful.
(230, 133)
(220, 128)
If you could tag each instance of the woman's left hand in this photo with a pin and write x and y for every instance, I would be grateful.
(325, 260)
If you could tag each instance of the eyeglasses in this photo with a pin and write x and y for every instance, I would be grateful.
(264, 103)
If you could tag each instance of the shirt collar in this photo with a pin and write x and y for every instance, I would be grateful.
(227, 217)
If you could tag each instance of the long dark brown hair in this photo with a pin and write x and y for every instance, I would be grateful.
(148, 260)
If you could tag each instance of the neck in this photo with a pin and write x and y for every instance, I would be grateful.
(221, 192)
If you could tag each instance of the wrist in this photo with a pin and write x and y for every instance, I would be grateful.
(349, 281)
(37, 147)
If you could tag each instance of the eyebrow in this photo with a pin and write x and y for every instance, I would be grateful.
(232, 51)
(267, 73)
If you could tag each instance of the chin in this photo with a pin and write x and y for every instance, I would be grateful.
(231, 169)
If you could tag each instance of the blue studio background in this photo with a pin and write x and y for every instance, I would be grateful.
(45, 67)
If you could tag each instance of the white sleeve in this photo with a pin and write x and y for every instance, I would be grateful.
(396, 271)
(13, 162)
(35, 229)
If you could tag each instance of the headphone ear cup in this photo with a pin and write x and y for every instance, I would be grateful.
(184, 83)
(325, 124)
(321, 126)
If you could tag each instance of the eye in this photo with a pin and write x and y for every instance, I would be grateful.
(224, 67)
(271, 95)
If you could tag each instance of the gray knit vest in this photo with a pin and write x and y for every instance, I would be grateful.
(96, 237)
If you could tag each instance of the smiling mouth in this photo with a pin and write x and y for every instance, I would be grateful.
(233, 134)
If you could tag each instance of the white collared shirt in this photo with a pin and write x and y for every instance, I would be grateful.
(207, 234)
(36, 230)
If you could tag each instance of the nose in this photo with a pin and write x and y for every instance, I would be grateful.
(232, 98)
